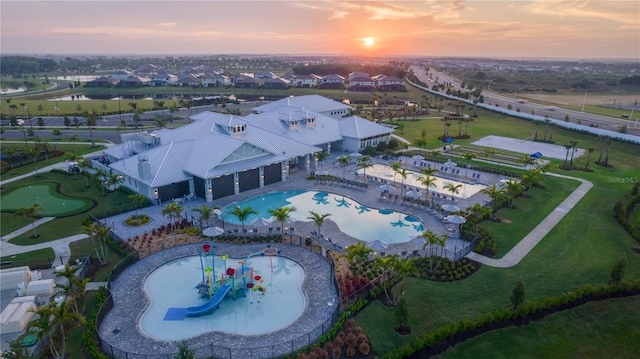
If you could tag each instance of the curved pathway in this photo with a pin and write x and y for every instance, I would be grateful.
(534, 237)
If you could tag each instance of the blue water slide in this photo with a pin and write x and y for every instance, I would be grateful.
(212, 304)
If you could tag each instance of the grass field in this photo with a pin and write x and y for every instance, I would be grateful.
(603, 329)
(53, 204)
(70, 185)
(580, 250)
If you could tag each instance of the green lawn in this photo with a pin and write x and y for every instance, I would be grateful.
(85, 246)
(580, 250)
(70, 185)
(53, 203)
(32, 259)
(603, 329)
(528, 213)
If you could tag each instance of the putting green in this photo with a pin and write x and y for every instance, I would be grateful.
(55, 204)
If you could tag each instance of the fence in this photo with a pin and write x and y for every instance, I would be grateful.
(218, 351)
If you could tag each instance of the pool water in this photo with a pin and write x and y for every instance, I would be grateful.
(174, 285)
(356, 220)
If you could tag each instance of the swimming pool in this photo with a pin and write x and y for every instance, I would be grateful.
(356, 220)
(174, 285)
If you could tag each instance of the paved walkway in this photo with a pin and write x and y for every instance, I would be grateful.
(526, 245)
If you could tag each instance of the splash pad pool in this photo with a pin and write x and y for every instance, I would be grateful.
(122, 337)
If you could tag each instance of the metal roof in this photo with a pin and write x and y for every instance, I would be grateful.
(315, 103)
(358, 127)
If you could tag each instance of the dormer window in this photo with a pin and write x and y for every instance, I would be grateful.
(238, 129)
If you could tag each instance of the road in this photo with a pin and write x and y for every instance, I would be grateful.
(490, 98)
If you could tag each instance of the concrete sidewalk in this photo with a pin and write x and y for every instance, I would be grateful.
(526, 245)
(25, 229)
(60, 247)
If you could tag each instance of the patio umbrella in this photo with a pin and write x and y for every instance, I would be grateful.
(451, 208)
(213, 231)
(448, 140)
(455, 219)
(355, 155)
(387, 187)
(217, 212)
(377, 245)
(413, 194)
(322, 173)
(260, 222)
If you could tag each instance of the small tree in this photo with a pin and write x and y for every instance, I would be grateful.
(617, 272)
(517, 294)
(16, 351)
(184, 352)
(31, 212)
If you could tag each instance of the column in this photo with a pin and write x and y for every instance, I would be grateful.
(192, 188)
(307, 162)
(261, 171)
(284, 167)
(236, 183)
(208, 190)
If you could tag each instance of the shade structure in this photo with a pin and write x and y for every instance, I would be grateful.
(536, 155)
(213, 231)
(322, 173)
(216, 212)
(260, 222)
(377, 245)
(450, 208)
(417, 158)
(448, 140)
(387, 187)
(287, 220)
(355, 155)
(413, 194)
(455, 219)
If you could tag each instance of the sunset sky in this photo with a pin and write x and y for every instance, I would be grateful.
(498, 28)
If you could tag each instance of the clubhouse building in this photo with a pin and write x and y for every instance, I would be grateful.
(219, 155)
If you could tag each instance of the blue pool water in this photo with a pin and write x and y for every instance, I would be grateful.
(356, 220)
(174, 285)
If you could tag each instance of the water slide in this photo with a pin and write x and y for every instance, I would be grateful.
(212, 304)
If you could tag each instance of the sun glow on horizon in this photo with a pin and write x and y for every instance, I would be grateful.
(369, 41)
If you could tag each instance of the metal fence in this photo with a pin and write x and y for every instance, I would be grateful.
(217, 351)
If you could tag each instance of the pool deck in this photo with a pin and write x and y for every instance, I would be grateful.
(119, 329)
(298, 180)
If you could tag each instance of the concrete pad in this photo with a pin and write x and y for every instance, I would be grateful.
(527, 147)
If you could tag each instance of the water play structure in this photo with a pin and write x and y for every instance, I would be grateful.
(233, 282)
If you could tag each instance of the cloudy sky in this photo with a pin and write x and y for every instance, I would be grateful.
(497, 28)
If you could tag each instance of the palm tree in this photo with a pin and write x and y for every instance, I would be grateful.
(320, 156)
(98, 235)
(173, 211)
(453, 188)
(512, 189)
(138, 200)
(495, 193)
(33, 153)
(243, 214)
(427, 181)
(100, 177)
(344, 161)
(573, 151)
(602, 139)
(84, 164)
(73, 287)
(73, 159)
(52, 316)
(479, 213)
(469, 157)
(420, 142)
(30, 212)
(113, 180)
(547, 123)
(92, 118)
(566, 157)
(364, 162)
(403, 174)
(282, 214)
(318, 218)
(10, 152)
(589, 152)
(488, 152)
(205, 213)
(356, 255)
(530, 178)
(395, 166)
(606, 159)
(432, 239)
(73, 139)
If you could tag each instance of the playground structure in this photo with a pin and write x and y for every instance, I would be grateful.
(233, 281)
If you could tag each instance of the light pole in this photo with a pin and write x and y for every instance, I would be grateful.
(584, 100)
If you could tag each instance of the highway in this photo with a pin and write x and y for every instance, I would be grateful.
(557, 113)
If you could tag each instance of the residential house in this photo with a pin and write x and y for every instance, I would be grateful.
(362, 84)
(332, 81)
(389, 83)
(277, 83)
(104, 81)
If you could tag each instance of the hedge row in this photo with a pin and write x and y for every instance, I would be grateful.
(455, 332)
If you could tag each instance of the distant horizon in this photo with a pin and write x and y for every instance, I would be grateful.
(567, 59)
(522, 29)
